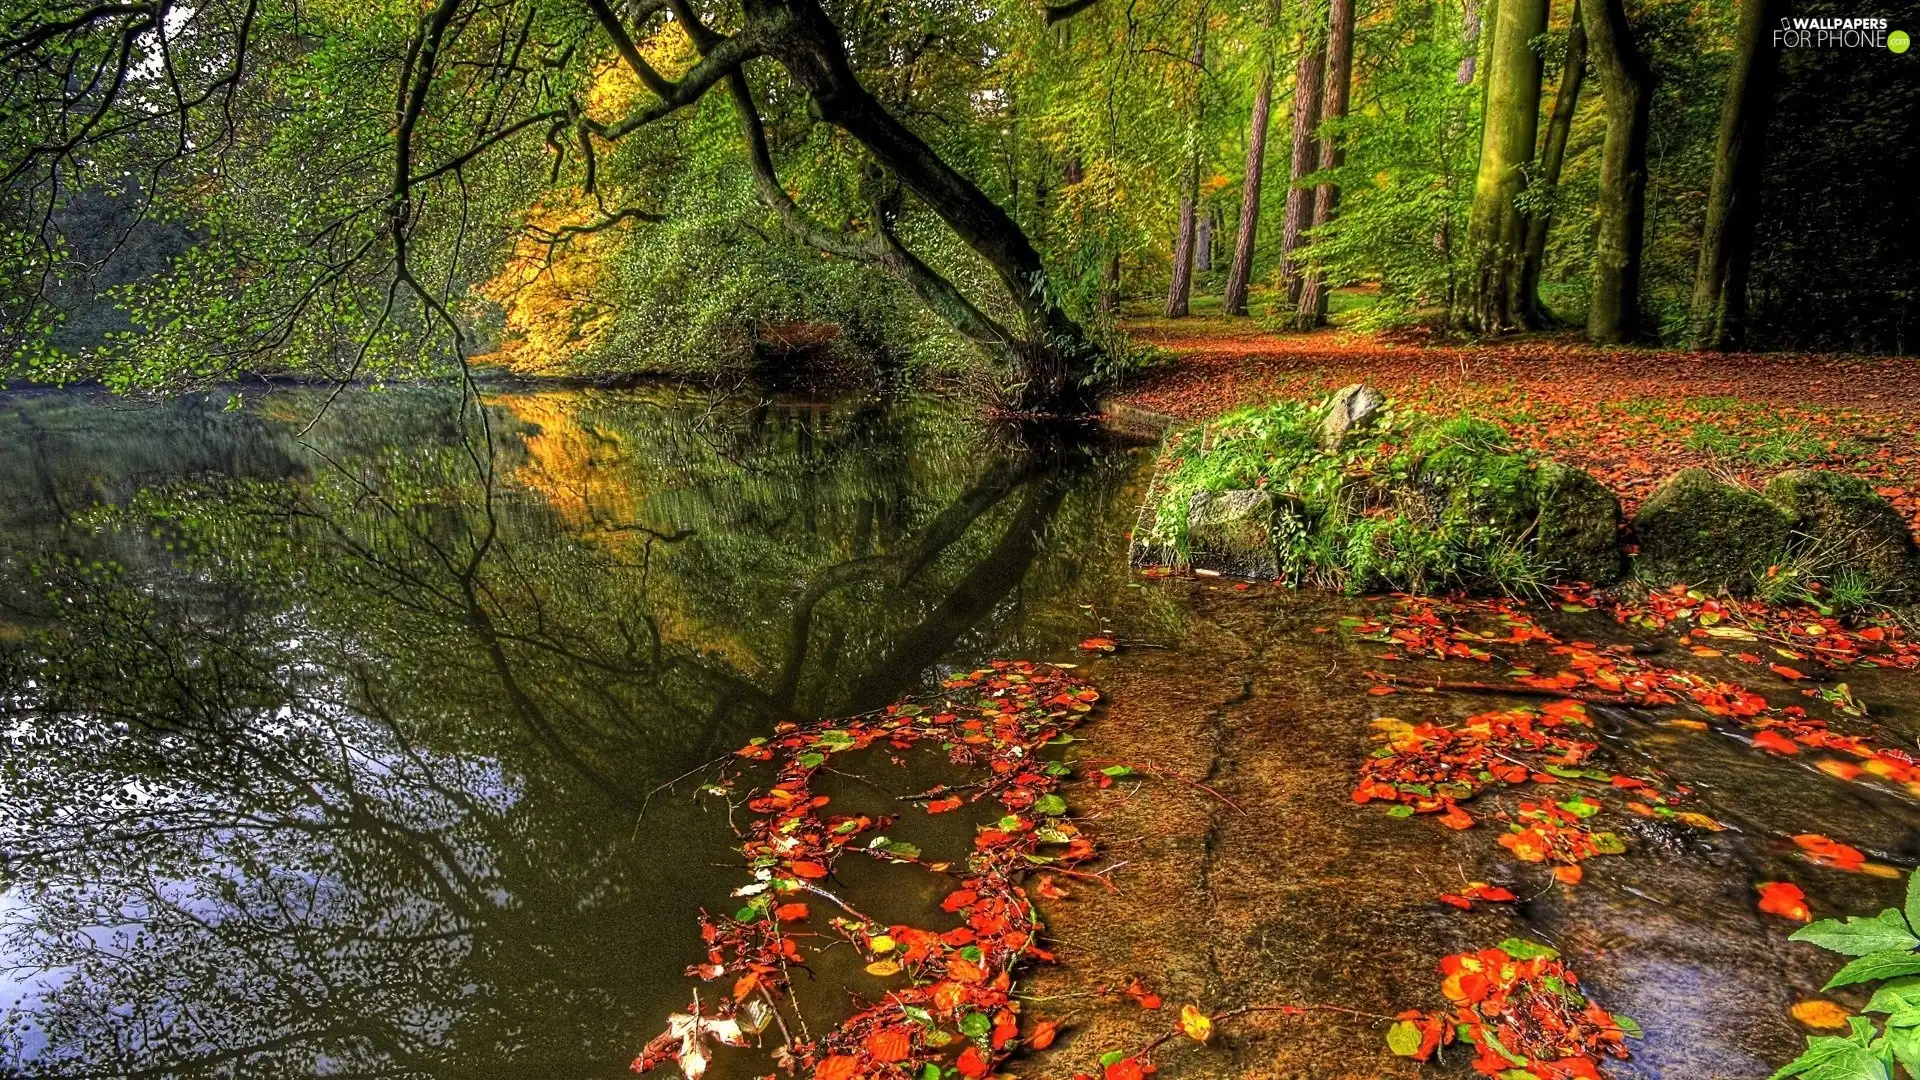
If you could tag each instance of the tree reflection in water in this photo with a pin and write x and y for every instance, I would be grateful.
(334, 761)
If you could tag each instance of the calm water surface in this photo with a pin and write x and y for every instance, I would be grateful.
(343, 755)
(353, 753)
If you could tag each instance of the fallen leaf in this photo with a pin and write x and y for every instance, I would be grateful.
(1196, 1024)
(1784, 898)
(1816, 1013)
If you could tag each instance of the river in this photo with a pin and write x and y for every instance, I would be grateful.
(339, 746)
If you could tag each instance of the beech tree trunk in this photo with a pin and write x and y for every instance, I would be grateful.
(1181, 288)
(1496, 230)
(1626, 84)
(1203, 244)
(1719, 311)
(1307, 77)
(1240, 274)
(1312, 310)
(1566, 101)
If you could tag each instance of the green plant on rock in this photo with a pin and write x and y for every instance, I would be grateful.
(1884, 947)
(1418, 502)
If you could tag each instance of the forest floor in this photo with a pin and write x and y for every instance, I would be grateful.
(1631, 416)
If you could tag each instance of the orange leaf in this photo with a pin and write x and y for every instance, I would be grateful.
(1770, 739)
(1785, 672)
(1816, 1013)
(1783, 898)
(889, 1044)
(790, 912)
(809, 869)
(1042, 1035)
(837, 1067)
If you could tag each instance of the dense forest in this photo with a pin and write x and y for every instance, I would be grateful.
(379, 190)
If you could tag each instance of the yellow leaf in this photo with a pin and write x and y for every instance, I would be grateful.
(880, 943)
(1196, 1024)
(1816, 1013)
(1700, 821)
(883, 968)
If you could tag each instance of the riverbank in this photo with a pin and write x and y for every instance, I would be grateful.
(1631, 417)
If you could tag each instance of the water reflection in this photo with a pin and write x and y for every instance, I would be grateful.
(332, 759)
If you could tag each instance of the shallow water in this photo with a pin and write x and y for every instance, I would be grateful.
(360, 753)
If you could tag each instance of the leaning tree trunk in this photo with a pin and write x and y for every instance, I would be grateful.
(1051, 355)
(1181, 289)
(1626, 84)
(1312, 311)
(1240, 274)
(1573, 71)
(1306, 116)
(1183, 238)
(1718, 317)
(1496, 229)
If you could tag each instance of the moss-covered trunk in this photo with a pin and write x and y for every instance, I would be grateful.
(1718, 316)
(1613, 314)
(1573, 71)
(1496, 231)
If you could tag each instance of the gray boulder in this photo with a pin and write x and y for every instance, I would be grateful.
(1233, 532)
(1701, 531)
(1577, 532)
(1838, 521)
(1350, 412)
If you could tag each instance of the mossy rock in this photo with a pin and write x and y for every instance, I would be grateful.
(1701, 531)
(1840, 524)
(1577, 534)
(1233, 532)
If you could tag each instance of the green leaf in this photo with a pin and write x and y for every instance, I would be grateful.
(1896, 996)
(1607, 843)
(1829, 1057)
(1404, 1038)
(1880, 965)
(1913, 899)
(975, 1025)
(1401, 810)
(1521, 949)
(1050, 805)
(1113, 1057)
(1117, 770)
(1628, 1026)
(1859, 935)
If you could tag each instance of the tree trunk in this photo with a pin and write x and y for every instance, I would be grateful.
(1181, 289)
(1203, 243)
(1496, 230)
(1306, 116)
(1470, 35)
(1053, 355)
(1313, 290)
(1110, 283)
(1565, 101)
(1240, 274)
(1613, 314)
(1718, 318)
(1183, 237)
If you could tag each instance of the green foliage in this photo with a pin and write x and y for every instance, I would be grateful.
(1420, 503)
(1884, 946)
